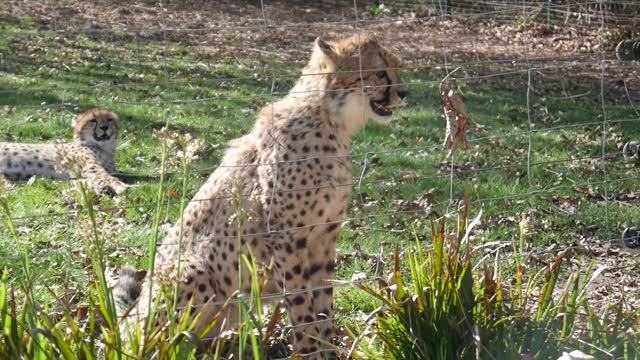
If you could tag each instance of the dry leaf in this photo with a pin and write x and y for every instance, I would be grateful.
(457, 116)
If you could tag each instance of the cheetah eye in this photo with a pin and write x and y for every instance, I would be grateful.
(109, 119)
(94, 120)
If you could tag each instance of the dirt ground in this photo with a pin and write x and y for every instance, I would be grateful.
(485, 41)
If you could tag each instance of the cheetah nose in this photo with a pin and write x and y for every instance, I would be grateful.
(403, 94)
(104, 128)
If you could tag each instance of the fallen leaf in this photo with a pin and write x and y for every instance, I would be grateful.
(457, 116)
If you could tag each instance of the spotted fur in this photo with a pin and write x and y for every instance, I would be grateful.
(89, 156)
(291, 177)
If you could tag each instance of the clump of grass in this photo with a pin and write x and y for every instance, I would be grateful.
(442, 309)
(28, 331)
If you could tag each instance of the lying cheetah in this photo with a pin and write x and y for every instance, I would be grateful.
(291, 176)
(90, 154)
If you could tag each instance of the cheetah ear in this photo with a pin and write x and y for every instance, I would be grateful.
(326, 48)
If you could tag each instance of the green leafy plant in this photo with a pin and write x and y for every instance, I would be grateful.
(442, 309)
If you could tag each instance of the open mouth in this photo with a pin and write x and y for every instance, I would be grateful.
(381, 107)
(104, 137)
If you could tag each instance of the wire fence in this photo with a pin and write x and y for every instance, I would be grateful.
(536, 52)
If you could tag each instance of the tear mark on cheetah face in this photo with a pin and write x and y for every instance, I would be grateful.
(97, 127)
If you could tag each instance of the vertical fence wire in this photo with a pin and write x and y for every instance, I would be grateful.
(443, 10)
(530, 126)
(605, 122)
(58, 38)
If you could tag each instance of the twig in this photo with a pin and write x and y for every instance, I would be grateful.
(449, 74)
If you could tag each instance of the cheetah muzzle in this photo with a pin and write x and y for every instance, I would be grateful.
(380, 107)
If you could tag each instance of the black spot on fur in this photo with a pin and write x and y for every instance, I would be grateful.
(332, 227)
(298, 300)
(297, 269)
(331, 266)
(315, 268)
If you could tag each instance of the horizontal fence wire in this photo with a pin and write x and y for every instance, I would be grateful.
(354, 156)
(574, 61)
(606, 242)
(350, 184)
(268, 95)
(443, 204)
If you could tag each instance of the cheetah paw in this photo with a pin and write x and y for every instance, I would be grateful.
(113, 188)
(120, 187)
(631, 152)
(631, 237)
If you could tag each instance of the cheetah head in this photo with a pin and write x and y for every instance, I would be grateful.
(97, 127)
(364, 81)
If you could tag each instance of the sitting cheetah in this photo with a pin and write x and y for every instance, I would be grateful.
(291, 176)
(90, 154)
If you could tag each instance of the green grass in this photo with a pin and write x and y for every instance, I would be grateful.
(45, 80)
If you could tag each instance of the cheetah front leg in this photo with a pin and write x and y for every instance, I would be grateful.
(305, 279)
(321, 275)
(102, 182)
